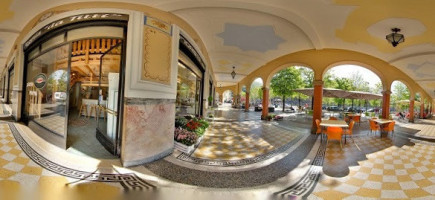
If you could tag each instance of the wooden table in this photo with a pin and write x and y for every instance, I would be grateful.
(335, 123)
(382, 123)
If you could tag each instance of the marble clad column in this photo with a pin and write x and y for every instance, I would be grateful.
(386, 104)
(265, 103)
(317, 104)
(148, 130)
(411, 111)
(422, 109)
(247, 101)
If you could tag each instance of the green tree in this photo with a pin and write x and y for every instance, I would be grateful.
(344, 84)
(285, 81)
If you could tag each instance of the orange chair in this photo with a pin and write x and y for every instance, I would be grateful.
(332, 118)
(334, 133)
(389, 128)
(349, 131)
(319, 128)
(373, 126)
(357, 119)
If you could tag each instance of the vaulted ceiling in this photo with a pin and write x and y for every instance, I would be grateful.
(249, 33)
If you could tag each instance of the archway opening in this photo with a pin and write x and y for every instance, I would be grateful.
(362, 89)
(399, 100)
(256, 94)
(283, 85)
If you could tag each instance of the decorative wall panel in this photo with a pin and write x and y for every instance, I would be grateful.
(157, 52)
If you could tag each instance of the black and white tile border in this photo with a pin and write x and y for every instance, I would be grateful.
(307, 183)
(129, 181)
(232, 163)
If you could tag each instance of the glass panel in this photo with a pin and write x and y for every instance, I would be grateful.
(53, 42)
(187, 90)
(11, 85)
(33, 53)
(47, 83)
(95, 31)
(108, 94)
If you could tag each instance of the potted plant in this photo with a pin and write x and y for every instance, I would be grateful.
(185, 140)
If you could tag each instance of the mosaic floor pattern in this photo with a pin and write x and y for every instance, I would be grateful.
(393, 173)
(21, 176)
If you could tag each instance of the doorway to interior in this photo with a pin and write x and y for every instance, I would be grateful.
(73, 88)
(93, 98)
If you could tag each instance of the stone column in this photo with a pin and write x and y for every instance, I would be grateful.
(411, 110)
(265, 103)
(386, 104)
(317, 103)
(247, 101)
(422, 109)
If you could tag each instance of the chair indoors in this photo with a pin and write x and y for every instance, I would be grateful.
(334, 133)
(373, 126)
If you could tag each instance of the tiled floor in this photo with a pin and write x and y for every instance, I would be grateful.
(427, 127)
(368, 167)
(241, 140)
(21, 176)
(393, 173)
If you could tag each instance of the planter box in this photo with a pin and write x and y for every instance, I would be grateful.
(183, 148)
(198, 141)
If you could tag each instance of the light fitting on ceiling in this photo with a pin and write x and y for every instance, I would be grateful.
(233, 73)
(395, 38)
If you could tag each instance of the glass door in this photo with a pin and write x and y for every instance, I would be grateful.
(108, 100)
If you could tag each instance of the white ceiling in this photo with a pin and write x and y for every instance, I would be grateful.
(249, 33)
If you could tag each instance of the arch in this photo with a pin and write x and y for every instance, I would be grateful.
(253, 79)
(411, 92)
(279, 68)
(359, 64)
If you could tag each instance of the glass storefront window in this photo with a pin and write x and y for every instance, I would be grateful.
(46, 89)
(188, 91)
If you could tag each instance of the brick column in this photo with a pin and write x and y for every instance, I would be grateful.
(386, 104)
(265, 103)
(247, 101)
(411, 110)
(317, 103)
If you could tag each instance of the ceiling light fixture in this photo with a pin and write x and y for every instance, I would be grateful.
(395, 38)
(233, 73)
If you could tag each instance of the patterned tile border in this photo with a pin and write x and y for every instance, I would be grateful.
(247, 161)
(307, 183)
(129, 181)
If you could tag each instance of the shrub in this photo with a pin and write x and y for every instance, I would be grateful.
(185, 137)
(180, 122)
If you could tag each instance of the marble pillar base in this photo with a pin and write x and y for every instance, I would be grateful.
(148, 130)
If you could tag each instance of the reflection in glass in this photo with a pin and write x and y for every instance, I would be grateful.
(47, 83)
(188, 92)
(108, 94)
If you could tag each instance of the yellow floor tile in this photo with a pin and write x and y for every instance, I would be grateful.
(332, 194)
(355, 182)
(424, 183)
(414, 193)
(21, 160)
(5, 173)
(32, 170)
(365, 192)
(391, 186)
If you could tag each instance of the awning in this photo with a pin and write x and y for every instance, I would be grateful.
(337, 93)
